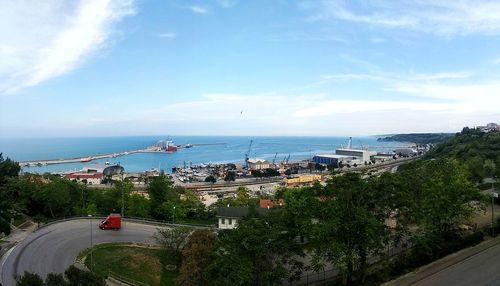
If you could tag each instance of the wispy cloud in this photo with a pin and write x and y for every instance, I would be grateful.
(227, 3)
(197, 9)
(167, 35)
(459, 17)
(41, 40)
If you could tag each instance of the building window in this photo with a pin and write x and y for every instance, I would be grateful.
(230, 221)
(223, 221)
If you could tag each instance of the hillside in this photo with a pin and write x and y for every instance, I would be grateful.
(479, 151)
(417, 138)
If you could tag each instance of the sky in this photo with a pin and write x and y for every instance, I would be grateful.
(260, 67)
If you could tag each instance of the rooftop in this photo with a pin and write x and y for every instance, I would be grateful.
(258, 161)
(238, 212)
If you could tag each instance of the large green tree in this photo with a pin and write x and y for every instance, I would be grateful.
(260, 251)
(350, 226)
(160, 190)
(196, 258)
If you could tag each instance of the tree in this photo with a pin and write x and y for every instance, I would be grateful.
(211, 179)
(77, 277)
(230, 176)
(55, 279)
(8, 169)
(319, 167)
(260, 251)
(160, 190)
(29, 279)
(172, 241)
(138, 206)
(196, 258)
(351, 226)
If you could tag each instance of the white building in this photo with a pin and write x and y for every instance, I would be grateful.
(228, 217)
(258, 164)
(362, 155)
(88, 178)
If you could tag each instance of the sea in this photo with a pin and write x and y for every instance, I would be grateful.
(206, 149)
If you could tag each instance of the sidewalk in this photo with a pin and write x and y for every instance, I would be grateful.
(441, 264)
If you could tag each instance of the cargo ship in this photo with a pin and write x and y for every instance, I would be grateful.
(170, 147)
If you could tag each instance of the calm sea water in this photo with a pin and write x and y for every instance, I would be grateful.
(233, 150)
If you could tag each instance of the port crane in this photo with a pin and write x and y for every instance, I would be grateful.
(248, 153)
(287, 158)
(274, 160)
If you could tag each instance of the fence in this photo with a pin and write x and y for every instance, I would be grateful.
(124, 280)
(125, 219)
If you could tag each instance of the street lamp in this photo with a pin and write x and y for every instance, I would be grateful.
(493, 196)
(173, 216)
(91, 243)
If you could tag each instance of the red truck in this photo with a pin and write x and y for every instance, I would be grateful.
(113, 221)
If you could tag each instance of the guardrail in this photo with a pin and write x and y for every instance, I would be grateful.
(125, 219)
(125, 280)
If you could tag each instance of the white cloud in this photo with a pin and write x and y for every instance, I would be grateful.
(198, 9)
(167, 35)
(434, 16)
(40, 40)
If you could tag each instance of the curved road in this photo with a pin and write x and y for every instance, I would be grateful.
(480, 269)
(54, 248)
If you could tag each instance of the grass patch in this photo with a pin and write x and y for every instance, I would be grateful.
(146, 265)
(19, 220)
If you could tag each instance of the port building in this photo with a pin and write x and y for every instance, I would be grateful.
(332, 159)
(363, 155)
(87, 178)
(106, 170)
(258, 164)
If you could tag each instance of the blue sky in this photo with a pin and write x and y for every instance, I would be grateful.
(228, 67)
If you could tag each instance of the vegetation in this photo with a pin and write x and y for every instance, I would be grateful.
(345, 223)
(478, 151)
(230, 176)
(195, 258)
(172, 241)
(417, 138)
(134, 262)
(72, 277)
(46, 197)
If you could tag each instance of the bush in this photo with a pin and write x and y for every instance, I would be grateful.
(4, 226)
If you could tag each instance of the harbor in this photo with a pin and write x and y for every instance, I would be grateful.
(140, 154)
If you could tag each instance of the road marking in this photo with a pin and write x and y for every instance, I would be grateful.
(4, 259)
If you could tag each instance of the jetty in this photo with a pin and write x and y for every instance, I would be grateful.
(87, 158)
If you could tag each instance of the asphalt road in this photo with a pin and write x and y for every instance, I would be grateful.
(478, 270)
(54, 248)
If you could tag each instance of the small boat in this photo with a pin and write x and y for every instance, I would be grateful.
(106, 163)
(85, 160)
(188, 146)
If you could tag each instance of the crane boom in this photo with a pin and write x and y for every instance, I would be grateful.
(247, 153)
(274, 159)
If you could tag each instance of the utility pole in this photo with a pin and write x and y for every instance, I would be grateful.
(123, 190)
(493, 196)
(91, 244)
(173, 216)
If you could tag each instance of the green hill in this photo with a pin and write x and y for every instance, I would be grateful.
(417, 138)
(479, 151)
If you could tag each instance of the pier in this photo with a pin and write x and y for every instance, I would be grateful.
(89, 158)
